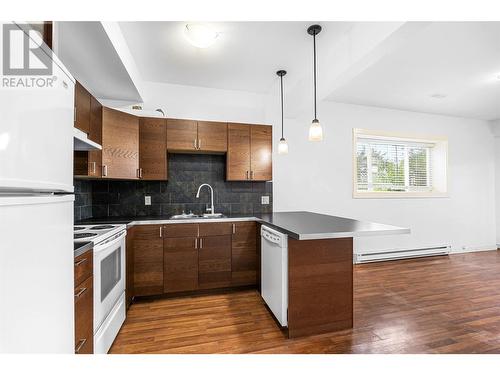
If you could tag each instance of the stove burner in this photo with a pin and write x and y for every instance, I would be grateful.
(84, 235)
(99, 227)
(78, 228)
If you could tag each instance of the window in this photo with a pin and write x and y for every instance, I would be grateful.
(395, 166)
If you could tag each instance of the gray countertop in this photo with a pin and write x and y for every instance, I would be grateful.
(300, 225)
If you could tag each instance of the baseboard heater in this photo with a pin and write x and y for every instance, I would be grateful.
(402, 254)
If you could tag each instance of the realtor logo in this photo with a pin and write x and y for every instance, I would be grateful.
(23, 54)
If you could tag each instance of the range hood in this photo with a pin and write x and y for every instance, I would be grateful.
(82, 143)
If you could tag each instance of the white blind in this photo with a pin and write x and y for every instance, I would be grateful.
(389, 164)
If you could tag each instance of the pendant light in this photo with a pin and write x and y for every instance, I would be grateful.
(315, 130)
(282, 146)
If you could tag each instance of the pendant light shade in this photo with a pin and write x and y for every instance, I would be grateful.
(282, 145)
(315, 130)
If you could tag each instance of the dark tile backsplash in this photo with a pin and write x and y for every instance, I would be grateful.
(100, 198)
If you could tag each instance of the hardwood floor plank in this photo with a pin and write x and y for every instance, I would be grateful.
(430, 305)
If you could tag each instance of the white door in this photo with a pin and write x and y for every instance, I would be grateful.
(36, 274)
(36, 128)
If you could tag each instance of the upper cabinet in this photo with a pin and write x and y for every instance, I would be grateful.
(82, 108)
(152, 148)
(120, 144)
(192, 136)
(249, 153)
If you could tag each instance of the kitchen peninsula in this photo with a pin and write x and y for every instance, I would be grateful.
(166, 256)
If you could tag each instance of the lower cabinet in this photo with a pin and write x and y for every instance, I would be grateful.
(84, 304)
(148, 260)
(188, 257)
(244, 254)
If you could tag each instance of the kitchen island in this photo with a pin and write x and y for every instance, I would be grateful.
(320, 261)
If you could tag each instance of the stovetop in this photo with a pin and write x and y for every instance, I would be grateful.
(96, 233)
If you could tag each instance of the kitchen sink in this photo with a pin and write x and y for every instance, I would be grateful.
(193, 216)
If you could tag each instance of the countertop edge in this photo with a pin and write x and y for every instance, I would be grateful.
(83, 249)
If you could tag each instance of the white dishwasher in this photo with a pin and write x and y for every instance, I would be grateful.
(274, 272)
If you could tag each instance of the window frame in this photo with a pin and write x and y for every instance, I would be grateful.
(440, 191)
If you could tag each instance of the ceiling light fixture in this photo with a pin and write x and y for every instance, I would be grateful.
(282, 146)
(315, 130)
(200, 35)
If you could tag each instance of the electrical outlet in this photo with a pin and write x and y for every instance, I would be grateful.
(147, 200)
(264, 199)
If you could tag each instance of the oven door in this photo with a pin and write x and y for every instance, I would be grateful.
(109, 276)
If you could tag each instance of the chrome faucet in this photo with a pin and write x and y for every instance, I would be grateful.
(212, 211)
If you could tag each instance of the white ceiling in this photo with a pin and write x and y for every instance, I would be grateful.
(245, 57)
(460, 60)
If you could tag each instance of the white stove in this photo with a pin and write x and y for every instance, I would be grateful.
(97, 232)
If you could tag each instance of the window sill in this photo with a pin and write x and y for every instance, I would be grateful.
(398, 195)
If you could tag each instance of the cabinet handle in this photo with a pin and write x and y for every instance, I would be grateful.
(93, 167)
(104, 170)
(80, 292)
(251, 175)
(161, 231)
(80, 345)
(201, 243)
(234, 228)
(247, 175)
(140, 172)
(74, 114)
(196, 243)
(80, 262)
(195, 144)
(199, 144)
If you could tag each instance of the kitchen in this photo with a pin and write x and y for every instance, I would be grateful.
(206, 217)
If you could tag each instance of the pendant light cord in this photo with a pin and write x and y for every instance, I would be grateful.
(281, 106)
(314, 47)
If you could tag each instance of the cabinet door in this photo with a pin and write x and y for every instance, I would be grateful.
(84, 317)
(214, 262)
(152, 148)
(95, 132)
(180, 264)
(82, 108)
(181, 135)
(261, 151)
(129, 267)
(148, 260)
(120, 143)
(212, 136)
(238, 152)
(244, 254)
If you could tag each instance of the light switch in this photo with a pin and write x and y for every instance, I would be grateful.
(147, 200)
(264, 199)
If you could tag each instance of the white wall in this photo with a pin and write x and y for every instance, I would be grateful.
(201, 103)
(318, 177)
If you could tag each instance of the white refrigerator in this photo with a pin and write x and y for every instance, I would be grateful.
(36, 206)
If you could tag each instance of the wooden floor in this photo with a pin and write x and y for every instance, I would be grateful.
(433, 305)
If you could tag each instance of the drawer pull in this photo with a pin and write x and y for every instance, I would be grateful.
(80, 262)
(196, 243)
(201, 243)
(234, 228)
(80, 345)
(80, 292)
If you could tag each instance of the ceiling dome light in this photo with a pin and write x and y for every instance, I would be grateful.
(315, 130)
(200, 35)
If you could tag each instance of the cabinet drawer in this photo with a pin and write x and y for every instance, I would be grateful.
(181, 230)
(83, 267)
(147, 232)
(84, 317)
(215, 229)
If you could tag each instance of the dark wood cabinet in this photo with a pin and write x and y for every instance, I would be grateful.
(148, 260)
(82, 108)
(212, 136)
(249, 153)
(238, 152)
(120, 145)
(261, 141)
(180, 264)
(84, 304)
(152, 148)
(181, 135)
(244, 254)
(214, 262)
(95, 131)
(129, 267)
